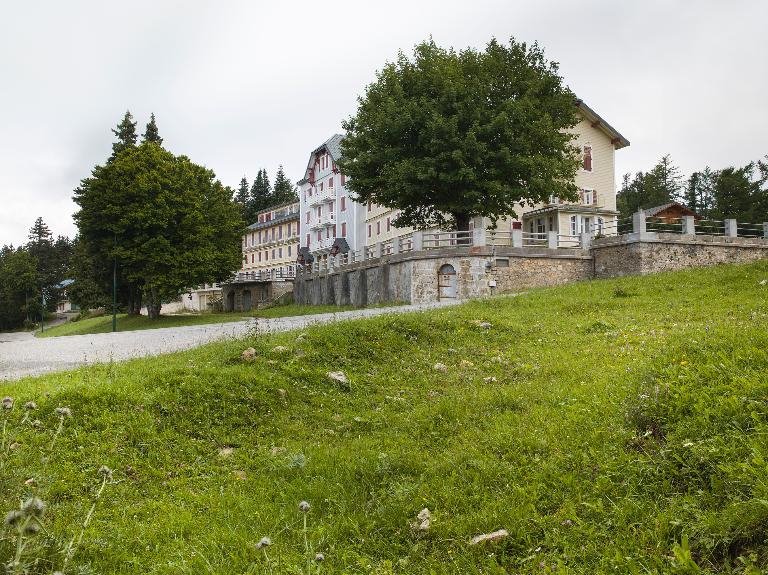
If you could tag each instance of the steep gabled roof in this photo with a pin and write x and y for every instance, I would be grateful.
(333, 145)
(617, 139)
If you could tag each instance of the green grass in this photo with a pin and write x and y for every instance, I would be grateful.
(626, 431)
(103, 324)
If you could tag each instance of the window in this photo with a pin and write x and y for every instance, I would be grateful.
(273, 234)
(588, 157)
(343, 201)
(307, 240)
(389, 224)
(330, 183)
(369, 230)
(378, 227)
(600, 226)
(573, 225)
(319, 235)
(540, 229)
(551, 222)
(266, 255)
(279, 252)
(530, 226)
(259, 256)
(307, 217)
(587, 197)
(321, 186)
(252, 258)
(369, 206)
(280, 232)
(273, 253)
(334, 230)
(319, 211)
(289, 251)
(343, 179)
(344, 230)
(331, 205)
(327, 233)
(586, 225)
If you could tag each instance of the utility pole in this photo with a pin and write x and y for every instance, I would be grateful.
(42, 311)
(114, 291)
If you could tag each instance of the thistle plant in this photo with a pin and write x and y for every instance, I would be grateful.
(63, 413)
(6, 407)
(27, 522)
(262, 545)
(74, 543)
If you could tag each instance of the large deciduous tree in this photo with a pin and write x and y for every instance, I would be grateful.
(168, 222)
(446, 136)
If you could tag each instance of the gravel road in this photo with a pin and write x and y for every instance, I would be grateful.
(22, 354)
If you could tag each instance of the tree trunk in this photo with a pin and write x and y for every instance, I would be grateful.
(134, 300)
(462, 225)
(153, 304)
(462, 222)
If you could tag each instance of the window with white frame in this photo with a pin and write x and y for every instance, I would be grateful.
(574, 224)
(588, 197)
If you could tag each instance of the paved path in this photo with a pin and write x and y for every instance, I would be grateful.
(22, 354)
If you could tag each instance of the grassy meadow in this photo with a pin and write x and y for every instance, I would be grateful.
(615, 426)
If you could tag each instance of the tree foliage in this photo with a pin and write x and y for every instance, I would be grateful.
(662, 185)
(126, 134)
(740, 193)
(165, 220)
(284, 191)
(18, 287)
(150, 133)
(446, 136)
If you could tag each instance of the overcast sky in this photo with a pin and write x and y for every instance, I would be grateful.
(238, 86)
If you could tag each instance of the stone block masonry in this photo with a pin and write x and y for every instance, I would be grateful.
(633, 254)
(483, 270)
(413, 276)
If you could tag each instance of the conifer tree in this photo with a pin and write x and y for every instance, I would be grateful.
(284, 191)
(261, 193)
(151, 134)
(242, 198)
(126, 135)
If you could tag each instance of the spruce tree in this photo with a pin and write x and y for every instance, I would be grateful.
(242, 197)
(151, 134)
(126, 135)
(261, 193)
(284, 191)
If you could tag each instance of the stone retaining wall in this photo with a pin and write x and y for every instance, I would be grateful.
(639, 254)
(413, 276)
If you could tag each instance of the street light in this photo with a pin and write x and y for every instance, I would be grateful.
(114, 289)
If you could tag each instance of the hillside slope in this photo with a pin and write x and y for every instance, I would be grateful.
(610, 427)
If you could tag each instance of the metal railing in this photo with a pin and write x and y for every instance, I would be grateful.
(287, 272)
(534, 239)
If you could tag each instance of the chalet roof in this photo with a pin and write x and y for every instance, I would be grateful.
(617, 139)
(650, 212)
(333, 145)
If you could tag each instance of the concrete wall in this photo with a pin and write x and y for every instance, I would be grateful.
(260, 292)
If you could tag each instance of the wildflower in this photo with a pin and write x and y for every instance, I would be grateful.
(264, 542)
(304, 507)
(319, 557)
(30, 405)
(33, 506)
(105, 471)
(7, 402)
(63, 412)
(13, 517)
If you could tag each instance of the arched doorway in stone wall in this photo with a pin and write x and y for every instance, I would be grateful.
(446, 283)
(230, 305)
(247, 300)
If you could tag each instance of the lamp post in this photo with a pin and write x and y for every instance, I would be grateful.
(42, 310)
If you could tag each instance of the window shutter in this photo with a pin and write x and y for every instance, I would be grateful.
(594, 197)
